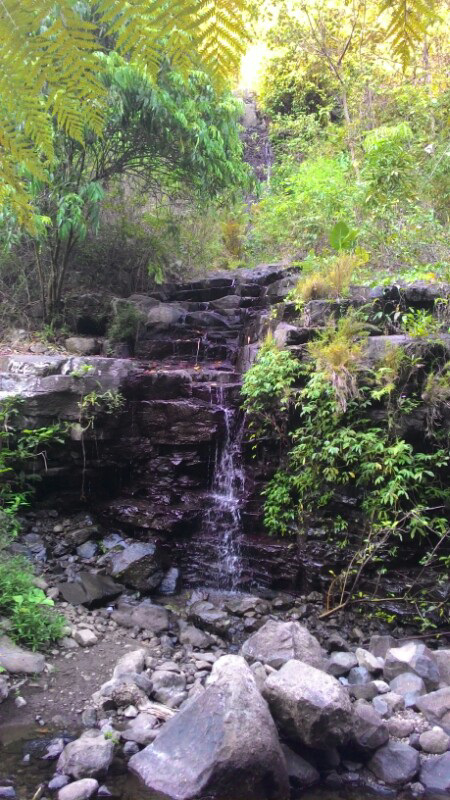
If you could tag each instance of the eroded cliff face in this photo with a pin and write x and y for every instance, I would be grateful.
(149, 470)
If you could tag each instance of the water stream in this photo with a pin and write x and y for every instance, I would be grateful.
(223, 517)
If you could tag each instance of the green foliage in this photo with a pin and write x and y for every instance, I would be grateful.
(29, 611)
(418, 322)
(267, 385)
(52, 69)
(125, 324)
(97, 404)
(389, 164)
(21, 449)
(328, 277)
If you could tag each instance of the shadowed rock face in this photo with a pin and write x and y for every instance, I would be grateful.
(222, 744)
(148, 469)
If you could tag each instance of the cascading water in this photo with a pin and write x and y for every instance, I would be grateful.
(223, 517)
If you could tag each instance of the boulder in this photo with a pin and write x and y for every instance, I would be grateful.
(412, 657)
(208, 616)
(90, 589)
(380, 644)
(301, 773)
(222, 743)
(121, 693)
(435, 741)
(169, 687)
(278, 642)
(341, 663)
(16, 659)
(387, 704)
(369, 730)
(368, 661)
(409, 686)
(85, 637)
(395, 763)
(142, 729)
(130, 662)
(4, 689)
(145, 615)
(194, 637)
(436, 708)
(165, 314)
(87, 757)
(435, 774)
(443, 661)
(79, 790)
(138, 566)
(309, 705)
(83, 345)
(241, 604)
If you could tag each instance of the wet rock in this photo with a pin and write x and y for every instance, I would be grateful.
(278, 642)
(86, 757)
(414, 658)
(436, 708)
(58, 782)
(341, 663)
(395, 763)
(409, 686)
(87, 550)
(54, 749)
(369, 731)
(194, 637)
(358, 676)
(210, 747)
(35, 546)
(138, 566)
(435, 741)
(241, 604)
(170, 582)
(309, 705)
(207, 616)
(145, 615)
(8, 792)
(301, 773)
(79, 790)
(169, 687)
(142, 729)
(90, 589)
(435, 774)
(16, 659)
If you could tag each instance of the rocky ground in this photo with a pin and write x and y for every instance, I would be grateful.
(174, 687)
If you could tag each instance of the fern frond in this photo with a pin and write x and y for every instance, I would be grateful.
(408, 25)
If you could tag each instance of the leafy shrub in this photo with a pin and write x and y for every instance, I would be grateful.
(389, 165)
(125, 324)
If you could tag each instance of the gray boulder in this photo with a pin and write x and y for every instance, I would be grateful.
(409, 686)
(209, 617)
(369, 730)
(169, 687)
(436, 708)
(301, 773)
(79, 790)
(142, 729)
(145, 615)
(412, 657)
(90, 589)
(395, 763)
(194, 637)
(380, 644)
(4, 689)
(120, 693)
(16, 659)
(83, 345)
(443, 661)
(87, 757)
(435, 774)
(278, 642)
(133, 662)
(435, 741)
(387, 704)
(309, 705)
(138, 566)
(165, 314)
(341, 663)
(222, 743)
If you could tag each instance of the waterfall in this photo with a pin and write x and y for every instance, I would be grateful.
(223, 517)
